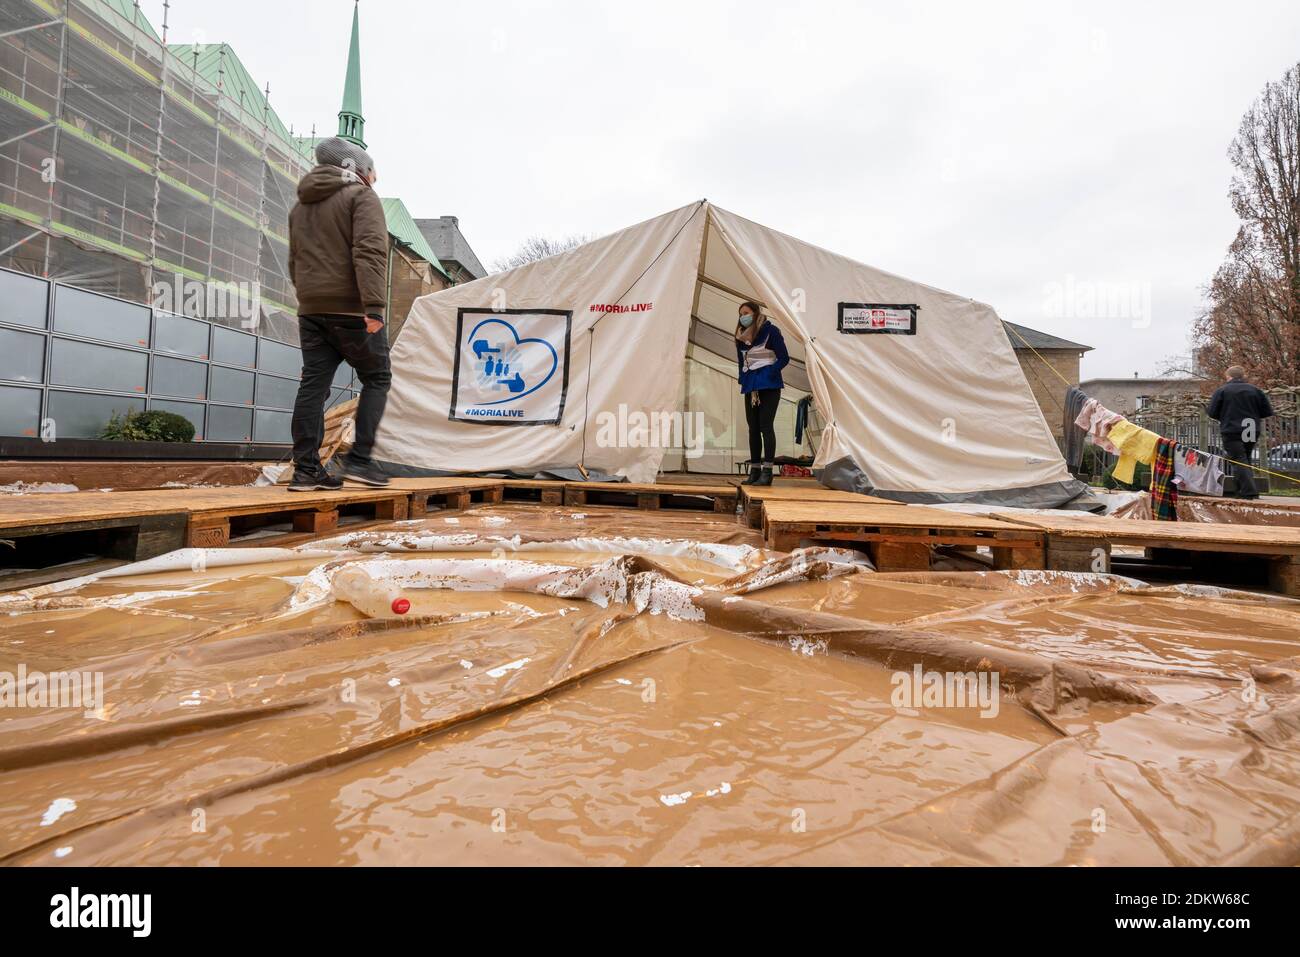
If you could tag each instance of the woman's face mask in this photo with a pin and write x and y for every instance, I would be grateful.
(746, 320)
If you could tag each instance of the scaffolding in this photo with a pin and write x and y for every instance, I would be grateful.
(126, 162)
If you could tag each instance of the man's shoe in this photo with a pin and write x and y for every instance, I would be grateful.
(764, 476)
(367, 473)
(753, 475)
(311, 480)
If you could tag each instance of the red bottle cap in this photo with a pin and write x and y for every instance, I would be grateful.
(401, 606)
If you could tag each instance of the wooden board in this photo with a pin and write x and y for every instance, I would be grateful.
(1191, 536)
(546, 491)
(900, 537)
(448, 492)
(718, 498)
(18, 511)
(752, 498)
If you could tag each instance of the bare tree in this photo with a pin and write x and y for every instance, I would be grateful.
(1252, 315)
(540, 247)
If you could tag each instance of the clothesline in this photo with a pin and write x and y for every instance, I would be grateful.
(1070, 385)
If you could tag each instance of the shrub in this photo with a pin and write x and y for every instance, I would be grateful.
(152, 426)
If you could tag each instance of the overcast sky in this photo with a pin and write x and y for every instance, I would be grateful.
(1033, 156)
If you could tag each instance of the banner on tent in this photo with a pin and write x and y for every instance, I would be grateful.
(859, 318)
(511, 366)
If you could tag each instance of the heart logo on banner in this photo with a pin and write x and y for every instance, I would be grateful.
(536, 357)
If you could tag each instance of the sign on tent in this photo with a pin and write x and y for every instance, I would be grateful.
(511, 366)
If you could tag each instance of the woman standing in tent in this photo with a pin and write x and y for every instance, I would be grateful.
(761, 352)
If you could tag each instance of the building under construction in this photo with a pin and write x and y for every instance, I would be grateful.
(145, 190)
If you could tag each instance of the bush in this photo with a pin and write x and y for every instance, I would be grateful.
(152, 426)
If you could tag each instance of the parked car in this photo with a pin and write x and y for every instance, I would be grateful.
(1285, 457)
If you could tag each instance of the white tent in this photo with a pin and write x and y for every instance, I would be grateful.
(589, 358)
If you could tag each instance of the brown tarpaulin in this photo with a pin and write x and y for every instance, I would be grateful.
(607, 686)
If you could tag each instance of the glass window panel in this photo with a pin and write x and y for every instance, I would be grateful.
(98, 367)
(82, 313)
(231, 385)
(20, 411)
(235, 348)
(180, 336)
(279, 358)
(78, 415)
(178, 377)
(228, 424)
(23, 299)
(274, 427)
(191, 410)
(22, 355)
(277, 393)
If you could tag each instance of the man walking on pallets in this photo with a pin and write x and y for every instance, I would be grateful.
(338, 263)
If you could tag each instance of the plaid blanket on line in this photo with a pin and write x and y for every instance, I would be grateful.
(1164, 493)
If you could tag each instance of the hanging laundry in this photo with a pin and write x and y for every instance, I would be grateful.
(1135, 444)
(1075, 400)
(1197, 472)
(1097, 420)
(1164, 493)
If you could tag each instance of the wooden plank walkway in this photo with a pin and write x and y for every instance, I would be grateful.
(899, 537)
(1082, 542)
(753, 497)
(448, 492)
(717, 498)
(147, 523)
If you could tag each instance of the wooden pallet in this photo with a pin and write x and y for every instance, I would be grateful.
(448, 493)
(545, 491)
(753, 497)
(716, 498)
(218, 513)
(900, 537)
(1081, 542)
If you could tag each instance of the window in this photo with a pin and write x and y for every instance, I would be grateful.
(20, 411)
(22, 356)
(274, 427)
(82, 313)
(277, 393)
(231, 385)
(233, 348)
(23, 299)
(80, 416)
(191, 410)
(178, 377)
(279, 358)
(180, 336)
(97, 367)
(228, 424)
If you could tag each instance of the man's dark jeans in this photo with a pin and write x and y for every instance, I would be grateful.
(1241, 452)
(326, 342)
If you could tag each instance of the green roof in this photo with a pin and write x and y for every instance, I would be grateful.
(127, 11)
(236, 82)
(403, 227)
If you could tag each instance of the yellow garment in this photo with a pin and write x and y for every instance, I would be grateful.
(1135, 445)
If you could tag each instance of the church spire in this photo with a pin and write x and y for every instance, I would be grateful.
(351, 123)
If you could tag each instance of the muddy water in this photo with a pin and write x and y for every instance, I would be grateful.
(610, 686)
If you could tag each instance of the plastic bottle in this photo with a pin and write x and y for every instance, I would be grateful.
(372, 598)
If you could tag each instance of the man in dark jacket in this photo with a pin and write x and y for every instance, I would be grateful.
(338, 263)
(1240, 409)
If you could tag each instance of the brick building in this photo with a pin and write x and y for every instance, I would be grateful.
(1046, 360)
